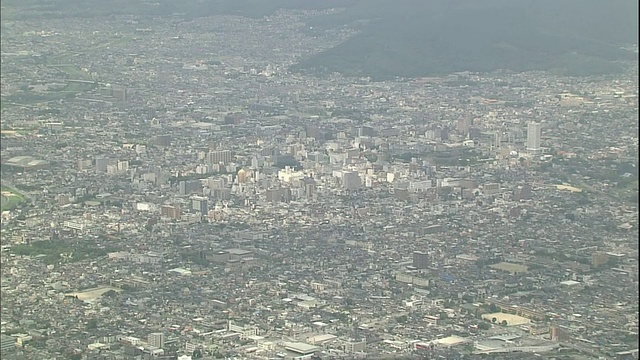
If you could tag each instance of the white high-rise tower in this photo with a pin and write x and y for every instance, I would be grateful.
(534, 131)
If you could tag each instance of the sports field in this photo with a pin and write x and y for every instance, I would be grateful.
(9, 198)
(91, 294)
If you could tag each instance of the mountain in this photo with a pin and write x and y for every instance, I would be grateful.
(415, 38)
(412, 38)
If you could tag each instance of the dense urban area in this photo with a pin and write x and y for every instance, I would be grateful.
(170, 190)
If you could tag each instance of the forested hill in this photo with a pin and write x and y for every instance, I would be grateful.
(411, 38)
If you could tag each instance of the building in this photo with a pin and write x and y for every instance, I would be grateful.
(200, 205)
(598, 259)
(351, 181)
(162, 140)
(278, 195)
(102, 163)
(25, 163)
(463, 126)
(7, 345)
(420, 260)
(352, 346)
(301, 348)
(219, 157)
(309, 187)
(243, 176)
(170, 211)
(188, 187)
(534, 131)
(156, 340)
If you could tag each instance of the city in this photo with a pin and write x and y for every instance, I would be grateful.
(170, 191)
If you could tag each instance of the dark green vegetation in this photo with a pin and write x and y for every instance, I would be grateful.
(430, 38)
(60, 251)
(415, 38)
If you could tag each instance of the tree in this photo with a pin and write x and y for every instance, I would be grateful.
(110, 293)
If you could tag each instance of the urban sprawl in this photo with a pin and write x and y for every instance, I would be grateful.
(171, 191)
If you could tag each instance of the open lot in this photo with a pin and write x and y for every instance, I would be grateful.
(510, 267)
(91, 294)
(512, 320)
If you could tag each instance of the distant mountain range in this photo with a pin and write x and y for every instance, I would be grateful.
(415, 38)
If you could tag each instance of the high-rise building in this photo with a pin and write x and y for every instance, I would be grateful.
(534, 131)
(189, 187)
(463, 126)
(242, 176)
(420, 260)
(309, 187)
(200, 205)
(156, 339)
(351, 181)
(497, 140)
(219, 157)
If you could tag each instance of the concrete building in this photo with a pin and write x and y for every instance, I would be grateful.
(200, 204)
(351, 181)
(156, 340)
(189, 187)
(7, 345)
(219, 157)
(534, 131)
(420, 260)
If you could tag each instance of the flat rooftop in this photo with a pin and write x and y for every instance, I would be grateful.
(300, 347)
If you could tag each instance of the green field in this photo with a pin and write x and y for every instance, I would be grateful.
(9, 199)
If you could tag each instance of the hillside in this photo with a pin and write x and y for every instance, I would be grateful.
(414, 38)
(425, 38)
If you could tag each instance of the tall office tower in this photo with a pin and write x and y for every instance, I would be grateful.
(463, 126)
(309, 187)
(420, 260)
(497, 140)
(351, 181)
(533, 138)
(156, 340)
(200, 204)
(219, 157)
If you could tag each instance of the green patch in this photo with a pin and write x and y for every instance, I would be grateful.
(53, 252)
(10, 198)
